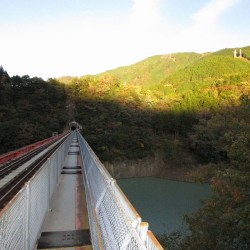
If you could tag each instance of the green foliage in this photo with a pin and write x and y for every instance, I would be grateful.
(185, 104)
(224, 221)
(162, 95)
(30, 110)
(153, 69)
(173, 241)
(201, 105)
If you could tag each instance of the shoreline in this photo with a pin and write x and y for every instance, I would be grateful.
(141, 169)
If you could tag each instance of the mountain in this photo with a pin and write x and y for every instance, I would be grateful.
(186, 112)
(195, 109)
(153, 69)
(186, 66)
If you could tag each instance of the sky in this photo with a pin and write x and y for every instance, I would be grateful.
(53, 38)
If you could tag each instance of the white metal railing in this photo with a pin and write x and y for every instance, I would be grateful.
(114, 223)
(21, 220)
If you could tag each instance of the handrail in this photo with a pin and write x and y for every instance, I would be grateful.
(114, 222)
(22, 217)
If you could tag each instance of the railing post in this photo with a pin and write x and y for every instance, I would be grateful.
(136, 224)
(143, 231)
(27, 217)
(108, 207)
(49, 179)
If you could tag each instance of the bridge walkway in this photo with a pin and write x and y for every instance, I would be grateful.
(67, 216)
(49, 211)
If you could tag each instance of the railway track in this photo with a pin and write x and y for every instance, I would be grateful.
(15, 174)
(7, 168)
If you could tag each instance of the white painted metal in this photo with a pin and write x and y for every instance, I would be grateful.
(22, 218)
(114, 223)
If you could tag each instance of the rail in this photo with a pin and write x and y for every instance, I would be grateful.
(9, 166)
(21, 151)
(16, 180)
(114, 223)
(21, 218)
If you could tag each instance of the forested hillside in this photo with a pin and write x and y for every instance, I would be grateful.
(30, 110)
(159, 114)
(152, 70)
(193, 108)
(183, 104)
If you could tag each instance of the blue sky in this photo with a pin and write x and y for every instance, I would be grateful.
(52, 38)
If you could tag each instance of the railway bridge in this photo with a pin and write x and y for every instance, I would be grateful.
(56, 194)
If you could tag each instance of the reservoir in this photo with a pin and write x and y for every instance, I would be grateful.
(162, 203)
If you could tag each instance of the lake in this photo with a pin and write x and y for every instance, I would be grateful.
(162, 203)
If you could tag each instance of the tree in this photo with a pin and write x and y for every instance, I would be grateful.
(224, 221)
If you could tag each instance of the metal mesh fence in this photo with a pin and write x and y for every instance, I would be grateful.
(21, 220)
(38, 203)
(114, 223)
(13, 223)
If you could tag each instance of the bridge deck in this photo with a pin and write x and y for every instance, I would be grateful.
(68, 211)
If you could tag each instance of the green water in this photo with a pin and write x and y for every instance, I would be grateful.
(162, 203)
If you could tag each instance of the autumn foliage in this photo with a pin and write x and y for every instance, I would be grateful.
(186, 104)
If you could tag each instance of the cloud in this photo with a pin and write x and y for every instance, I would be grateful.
(92, 43)
(144, 27)
(209, 15)
(205, 31)
(145, 13)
